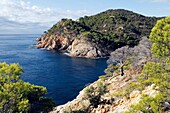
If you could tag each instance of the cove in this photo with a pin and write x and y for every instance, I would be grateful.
(63, 76)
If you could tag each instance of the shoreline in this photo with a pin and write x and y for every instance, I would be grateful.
(68, 54)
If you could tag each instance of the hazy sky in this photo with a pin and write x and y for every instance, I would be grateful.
(36, 16)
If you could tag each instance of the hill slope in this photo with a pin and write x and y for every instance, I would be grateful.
(98, 35)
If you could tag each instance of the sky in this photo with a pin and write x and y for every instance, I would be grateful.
(37, 16)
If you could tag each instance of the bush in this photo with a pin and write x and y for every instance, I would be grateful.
(102, 77)
(94, 94)
(149, 104)
(153, 73)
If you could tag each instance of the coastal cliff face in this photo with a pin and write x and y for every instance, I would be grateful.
(98, 35)
(78, 47)
(111, 101)
(71, 40)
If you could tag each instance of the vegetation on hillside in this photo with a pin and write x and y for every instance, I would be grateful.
(111, 29)
(68, 26)
(17, 96)
(160, 37)
(94, 94)
(136, 56)
(127, 25)
(157, 73)
(150, 60)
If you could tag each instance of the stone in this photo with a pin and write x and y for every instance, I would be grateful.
(134, 94)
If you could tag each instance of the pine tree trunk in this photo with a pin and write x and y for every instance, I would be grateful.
(122, 71)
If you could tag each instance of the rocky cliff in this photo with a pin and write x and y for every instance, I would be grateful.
(78, 47)
(98, 35)
(112, 100)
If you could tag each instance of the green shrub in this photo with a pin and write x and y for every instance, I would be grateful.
(94, 93)
(110, 69)
(102, 77)
(101, 88)
(149, 104)
(118, 94)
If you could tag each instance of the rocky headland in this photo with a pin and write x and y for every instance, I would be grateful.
(78, 47)
(97, 36)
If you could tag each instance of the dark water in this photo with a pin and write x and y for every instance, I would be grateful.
(63, 76)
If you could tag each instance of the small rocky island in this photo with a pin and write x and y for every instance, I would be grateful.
(97, 36)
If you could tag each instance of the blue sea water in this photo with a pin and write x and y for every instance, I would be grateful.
(63, 76)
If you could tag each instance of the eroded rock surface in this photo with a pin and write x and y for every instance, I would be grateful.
(77, 47)
(109, 102)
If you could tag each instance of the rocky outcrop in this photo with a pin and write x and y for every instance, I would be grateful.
(82, 47)
(52, 42)
(109, 102)
(77, 47)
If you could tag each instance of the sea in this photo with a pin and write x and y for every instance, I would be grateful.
(63, 76)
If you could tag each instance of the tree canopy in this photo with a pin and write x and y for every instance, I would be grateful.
(160, 37)
(137, 55)
(19, 96)
(157, 73)
(120, 56)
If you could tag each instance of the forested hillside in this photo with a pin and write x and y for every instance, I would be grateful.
(125, 27)
(108, 30)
